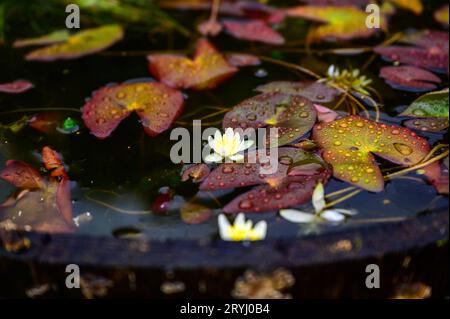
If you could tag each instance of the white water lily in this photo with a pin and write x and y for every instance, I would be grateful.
(241, 230)
(230, 145)
(334, 215)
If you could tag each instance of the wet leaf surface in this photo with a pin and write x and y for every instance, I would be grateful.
(253, 30)
(207, 70)
(429, 50)
(52, 38)
(156, 104)
(16, 87)
(293, 115)
(342, 23)
(314, 91)
(409, 78)
(83, 43)
(348, 145)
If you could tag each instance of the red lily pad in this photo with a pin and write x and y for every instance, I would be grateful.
(53, 163)
(156, 104)
(240, 60)
(52, 38)
(207, 70)
(409, 78)
(429, 50)
(293, 115)
(231, 175)
(81, 44)
(348, 145)
(22, 175)
(338, 23)
(253, 30)
(314, 91)
(16, 87)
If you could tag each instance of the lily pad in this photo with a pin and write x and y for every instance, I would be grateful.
(22, 175)
(16, 87)
(430, 112)
(293, 115)
(341, 23)
(81, 44)
(156, 104)
(409, 78)
(207, 70)
(52, 38)
(53, 163)
(429, 50)
(348, 145)
(253, 30)
(314, 91)
(232, 175)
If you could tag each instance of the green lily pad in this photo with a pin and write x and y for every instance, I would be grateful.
(342, 23)
(349, 144)
(434, 104)
(293, 115)
(52, 38)
(83, 43)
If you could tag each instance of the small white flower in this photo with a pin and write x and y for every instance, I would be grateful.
(241, 230)
(334, 216)
(230, 145)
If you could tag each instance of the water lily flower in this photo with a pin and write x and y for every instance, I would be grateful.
(242, 229)
(347, 80)
(227, 146)
(334, 216)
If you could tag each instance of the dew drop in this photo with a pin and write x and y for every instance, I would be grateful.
(245, 204)
(403, 149)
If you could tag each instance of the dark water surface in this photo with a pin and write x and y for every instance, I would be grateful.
(135, 166)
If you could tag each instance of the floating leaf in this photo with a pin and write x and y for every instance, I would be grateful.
(16, 87)
(253, 30)
(442, 15)
(430, 110)
(47, 209)
(46, 122)
(22, 175)
(52, 162)
(324, 114)
(314, 91)
(434, 104)
(156, 104)
(192, 213)
(409, 78)
(348, 145)
(414, 6)
(81, 44)
(341, 23)
(231, 175)
(206, 71)
(198, 172)
(241, 59)
(293, 116)
(429, 50)
(52, 38)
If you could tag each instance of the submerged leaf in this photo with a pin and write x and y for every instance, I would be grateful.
(253, 30)
(22, 175)
(156, 104)
(193, 213)
(314, 91)
(409, 78)
(198, 172)
(46, 122)
(348, 145)
(52, 38)
(16, 87)
(207, 70)
(83, 43)
(242, 59)
(341, 23)
(293, 115)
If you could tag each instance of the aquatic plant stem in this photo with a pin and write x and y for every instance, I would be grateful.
(117, 209)
(290, 66)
